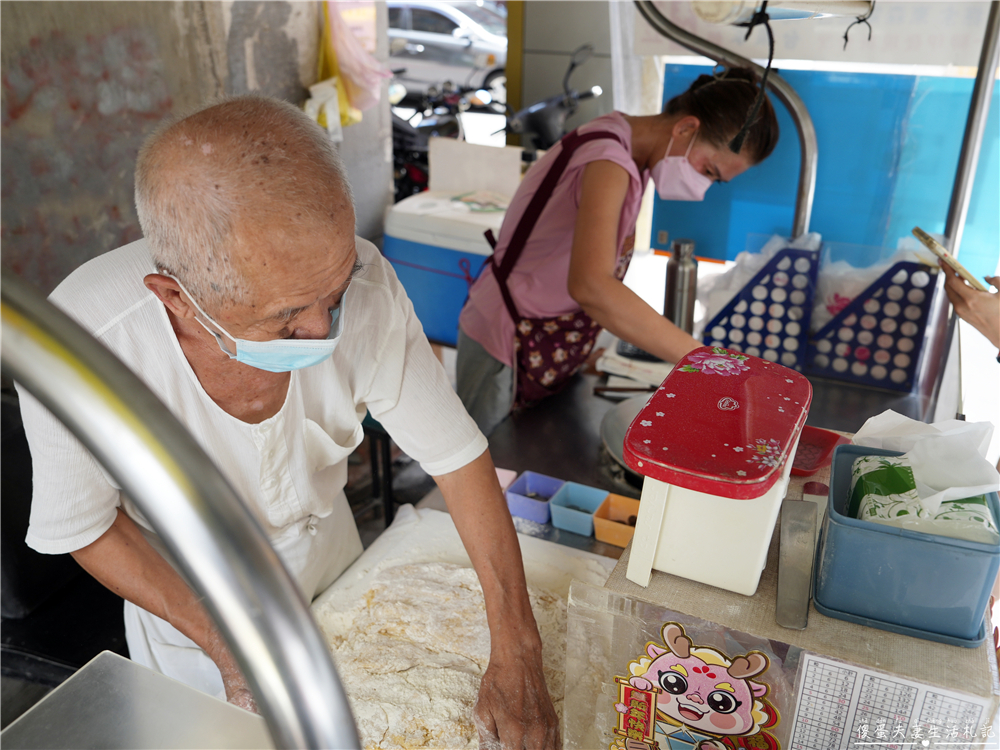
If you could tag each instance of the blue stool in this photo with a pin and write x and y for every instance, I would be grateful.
(380, 454)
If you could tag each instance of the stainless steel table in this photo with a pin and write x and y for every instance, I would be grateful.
(112, 702)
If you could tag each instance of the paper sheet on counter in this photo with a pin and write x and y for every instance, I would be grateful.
(842, 706)
(647, 373)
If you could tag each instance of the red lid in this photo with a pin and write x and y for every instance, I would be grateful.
(722, 423)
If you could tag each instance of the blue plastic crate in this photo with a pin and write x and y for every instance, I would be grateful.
(528, 507)
(925, 585)
(878, 337)
(573, 507)
(769, 317)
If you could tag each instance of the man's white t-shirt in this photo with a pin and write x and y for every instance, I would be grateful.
(290, 469)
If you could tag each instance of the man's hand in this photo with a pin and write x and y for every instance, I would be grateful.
(237, 690)
(124, 562)
(980, 309)
(514, 710)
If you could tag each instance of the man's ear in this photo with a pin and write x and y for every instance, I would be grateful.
(168, 291)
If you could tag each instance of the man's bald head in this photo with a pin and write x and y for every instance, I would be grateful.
(225, 173)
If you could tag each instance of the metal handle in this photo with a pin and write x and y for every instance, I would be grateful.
(781, 89)
(215, 541)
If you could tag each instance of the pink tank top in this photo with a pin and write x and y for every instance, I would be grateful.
(538, 283)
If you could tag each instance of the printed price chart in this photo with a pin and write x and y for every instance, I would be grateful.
(883, 713)
(844, 707)
(823, 705)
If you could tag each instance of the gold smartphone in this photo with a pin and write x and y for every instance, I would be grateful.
(942, 252)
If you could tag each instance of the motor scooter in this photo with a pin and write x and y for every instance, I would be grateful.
(438, 116)
(542, 124)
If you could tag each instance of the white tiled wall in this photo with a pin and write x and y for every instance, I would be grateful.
(553, 29)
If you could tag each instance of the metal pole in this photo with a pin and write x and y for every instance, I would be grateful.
(214, 540)
(781, 89)
(941, 323)
(975, 126)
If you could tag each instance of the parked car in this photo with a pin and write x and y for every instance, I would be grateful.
(438, 41)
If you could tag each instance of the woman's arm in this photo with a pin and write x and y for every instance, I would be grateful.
(592, 281)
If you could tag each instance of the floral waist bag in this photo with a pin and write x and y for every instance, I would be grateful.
(547, 351)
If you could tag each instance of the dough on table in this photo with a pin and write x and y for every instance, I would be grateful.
(412, 651)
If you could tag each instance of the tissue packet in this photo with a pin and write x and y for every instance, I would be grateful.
(883, 490)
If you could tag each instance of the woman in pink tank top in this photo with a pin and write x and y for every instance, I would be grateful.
(555, 278)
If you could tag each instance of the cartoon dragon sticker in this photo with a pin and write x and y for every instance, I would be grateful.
(702, 698)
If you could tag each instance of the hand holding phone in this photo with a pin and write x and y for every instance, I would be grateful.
(942, 252)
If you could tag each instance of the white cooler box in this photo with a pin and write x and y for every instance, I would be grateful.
(437, 246)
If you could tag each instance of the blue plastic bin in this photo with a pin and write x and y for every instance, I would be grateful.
(927, 584)
(528, 507)
(573, 507)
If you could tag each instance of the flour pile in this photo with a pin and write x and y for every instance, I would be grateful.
(412, 651)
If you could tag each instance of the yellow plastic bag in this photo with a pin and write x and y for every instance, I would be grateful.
(328, 72)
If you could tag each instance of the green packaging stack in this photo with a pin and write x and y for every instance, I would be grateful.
(883, 490)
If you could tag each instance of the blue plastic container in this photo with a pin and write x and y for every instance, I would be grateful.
(573, 507)
(928, 584)
(528, 507)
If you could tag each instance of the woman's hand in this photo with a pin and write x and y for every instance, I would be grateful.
(980, 309)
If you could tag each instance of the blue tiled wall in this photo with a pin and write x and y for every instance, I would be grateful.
(888, 150)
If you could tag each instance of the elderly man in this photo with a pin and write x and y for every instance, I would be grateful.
(269, 329)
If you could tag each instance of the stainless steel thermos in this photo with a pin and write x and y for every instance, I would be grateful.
(682, 285)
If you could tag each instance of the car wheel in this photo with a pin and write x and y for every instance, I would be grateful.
(496, 84)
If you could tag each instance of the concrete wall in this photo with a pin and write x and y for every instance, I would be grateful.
(85, 82)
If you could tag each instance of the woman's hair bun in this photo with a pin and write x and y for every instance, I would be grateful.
(746, 75)
(703, 80)
(741, 74)
(722, 107)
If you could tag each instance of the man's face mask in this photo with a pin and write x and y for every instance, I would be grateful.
(677, 180)
(279, 355)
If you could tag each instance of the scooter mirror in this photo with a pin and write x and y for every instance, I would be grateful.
(582, 54)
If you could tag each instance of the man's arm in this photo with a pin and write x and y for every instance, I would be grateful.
(514, 704)
(123, 561)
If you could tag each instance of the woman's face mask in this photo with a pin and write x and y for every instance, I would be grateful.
(676, 179)
(279, 355)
